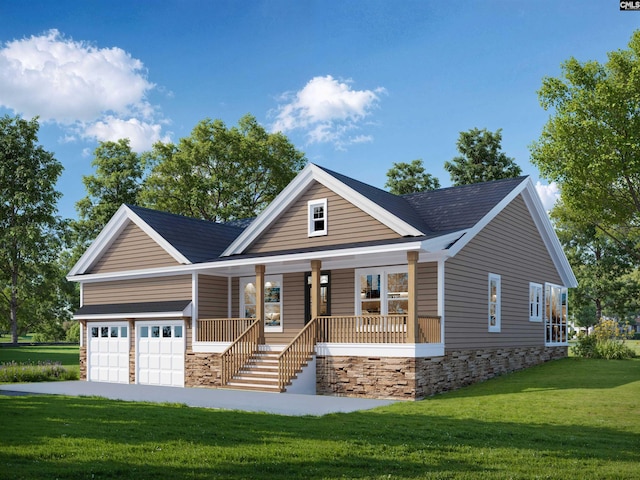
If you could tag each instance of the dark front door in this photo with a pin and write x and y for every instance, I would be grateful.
(325, 301)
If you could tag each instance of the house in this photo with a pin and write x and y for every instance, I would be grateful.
(336, 288)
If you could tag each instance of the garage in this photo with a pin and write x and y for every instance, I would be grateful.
(160, 352)
(108, 352)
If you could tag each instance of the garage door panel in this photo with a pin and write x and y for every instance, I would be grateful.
(160, 359)
(108, 352)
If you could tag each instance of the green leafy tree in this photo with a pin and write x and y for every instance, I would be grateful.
(220, 173)
(30, 230)
(481, 158)
(591, 143)
(117, 180)
(404, 178)
(602, 267)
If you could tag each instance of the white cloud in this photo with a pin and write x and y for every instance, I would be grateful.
(549, 194)
(328, 110)
(77, 85)
(142, 135)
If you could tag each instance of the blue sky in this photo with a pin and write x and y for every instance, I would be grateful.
(356, 85)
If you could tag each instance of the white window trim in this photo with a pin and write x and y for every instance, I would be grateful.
(268, 278)
(494, 328)
(383, 272)
(537, 304)
(311, 204)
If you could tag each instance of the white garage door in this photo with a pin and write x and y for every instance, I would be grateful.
(108, 352)
(160, 352)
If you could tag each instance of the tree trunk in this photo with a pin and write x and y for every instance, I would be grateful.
(14, 307)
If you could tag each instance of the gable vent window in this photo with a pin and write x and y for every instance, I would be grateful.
(317, 213)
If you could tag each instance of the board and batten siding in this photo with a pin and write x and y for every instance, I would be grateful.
(511, 247)
(213, 293)
(156, 289)
(132, 250)
(345, 224)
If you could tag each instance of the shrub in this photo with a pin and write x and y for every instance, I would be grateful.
(73, 333)
(585, 347)
(613, 350)
(13, 372)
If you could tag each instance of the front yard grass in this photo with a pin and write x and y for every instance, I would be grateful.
(568, 419)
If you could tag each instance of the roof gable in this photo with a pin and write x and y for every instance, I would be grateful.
(390, 210)
(185, 239)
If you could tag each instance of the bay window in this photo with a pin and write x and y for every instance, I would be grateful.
(555, 314)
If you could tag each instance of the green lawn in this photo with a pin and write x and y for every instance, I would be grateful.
(573, 419)
(6, 338)
(67, 355)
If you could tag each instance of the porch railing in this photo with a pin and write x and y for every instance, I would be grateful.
(221, 329)
(239, 352)
(363, 329)
(292, 358)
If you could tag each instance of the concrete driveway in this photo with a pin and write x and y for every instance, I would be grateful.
(278, 403)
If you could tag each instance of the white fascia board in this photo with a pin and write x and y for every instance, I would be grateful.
(292, 192)
(166, 246)
(484, 221)
(232, 263)
(151, 315)
(105, 238)
(385, 350)
(549, 236)
(110, 233)
(440, 244)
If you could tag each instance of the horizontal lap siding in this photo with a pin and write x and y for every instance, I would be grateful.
(343, 292)
(132, 250)
(212, 297)
(428, 288)
(511, 247)
(292, 309)
(141, 290)
(346, 224)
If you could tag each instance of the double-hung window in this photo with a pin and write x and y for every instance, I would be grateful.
(317, 217)
(535, 302)
(494, 302)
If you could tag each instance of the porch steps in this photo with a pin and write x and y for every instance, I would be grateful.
(259, 373)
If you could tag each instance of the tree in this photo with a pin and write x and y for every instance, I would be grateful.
(29, 227)
(591, 143)
(220, 173)
(404, 178)
(602, 267)
(117, 180)
(481, 159)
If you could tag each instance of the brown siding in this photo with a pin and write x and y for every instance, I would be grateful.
(141, 290)
(511, 247)
(428, 288)
(132, 250)
(212, 297)
(346, 224)
(292, 307)
(343, 297)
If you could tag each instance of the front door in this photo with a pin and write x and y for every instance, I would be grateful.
(325, 300)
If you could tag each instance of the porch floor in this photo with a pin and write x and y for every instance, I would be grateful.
(227, 399)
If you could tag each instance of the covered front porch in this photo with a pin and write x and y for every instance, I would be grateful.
(376, 311)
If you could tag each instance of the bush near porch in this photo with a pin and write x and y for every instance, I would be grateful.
(567, 419)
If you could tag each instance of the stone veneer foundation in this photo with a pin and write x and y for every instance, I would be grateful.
(202, 370)
(416, 378)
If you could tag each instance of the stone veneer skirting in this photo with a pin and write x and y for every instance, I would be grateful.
(415, 378)
(202, 370)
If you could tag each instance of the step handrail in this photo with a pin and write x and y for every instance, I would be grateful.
(299, 350)
(239, 352)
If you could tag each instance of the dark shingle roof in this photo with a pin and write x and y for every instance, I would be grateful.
(198, 240)
(456, 208)
(394, 204)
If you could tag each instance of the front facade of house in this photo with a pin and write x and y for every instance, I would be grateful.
(337, 288)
